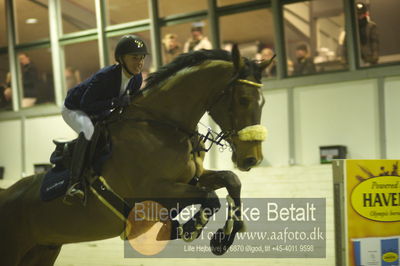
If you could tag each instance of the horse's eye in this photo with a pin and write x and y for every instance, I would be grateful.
(244, 101)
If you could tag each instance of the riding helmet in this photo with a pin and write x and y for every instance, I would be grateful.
(130, 44)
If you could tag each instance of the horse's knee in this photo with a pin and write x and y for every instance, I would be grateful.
(212, 201)
(232, 179)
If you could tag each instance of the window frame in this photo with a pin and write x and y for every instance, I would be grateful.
(154, 24)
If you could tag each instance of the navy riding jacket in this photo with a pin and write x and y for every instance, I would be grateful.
(94, 96)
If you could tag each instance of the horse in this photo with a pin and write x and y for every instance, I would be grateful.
(152, 158)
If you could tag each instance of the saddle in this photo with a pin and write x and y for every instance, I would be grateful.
(57, 180)
(62, 155)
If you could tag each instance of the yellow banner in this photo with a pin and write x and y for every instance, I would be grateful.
(373, 211)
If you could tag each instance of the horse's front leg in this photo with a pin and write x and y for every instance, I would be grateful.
(218, 179)
(177, 196)
(224, 237)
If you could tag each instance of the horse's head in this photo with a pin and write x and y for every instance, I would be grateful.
(237, 110)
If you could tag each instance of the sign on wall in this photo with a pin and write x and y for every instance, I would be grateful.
(367, 212)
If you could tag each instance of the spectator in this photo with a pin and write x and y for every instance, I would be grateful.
(72, 77)
(5, 93)
(30, 80)
(266, 55)
(368, 37)
(197, 41)
(290, 67)
(304, 63)
(368, 34)
(171, 47)
(227, 46)
(2, 96)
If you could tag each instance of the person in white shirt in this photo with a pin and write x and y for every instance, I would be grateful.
(197, 41)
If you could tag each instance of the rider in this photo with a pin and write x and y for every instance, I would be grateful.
(93, 99)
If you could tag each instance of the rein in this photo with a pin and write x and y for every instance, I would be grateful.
(164, 122)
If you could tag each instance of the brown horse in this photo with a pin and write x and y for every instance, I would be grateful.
(151, 157)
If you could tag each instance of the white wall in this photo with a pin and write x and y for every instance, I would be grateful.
(36, 142)
(39, 133)
(337, 114)
(392, 109)
(275, 118)
(10, 148)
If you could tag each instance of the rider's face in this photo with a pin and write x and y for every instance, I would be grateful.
(134, 63)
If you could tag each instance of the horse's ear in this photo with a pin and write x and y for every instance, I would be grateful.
(264, 64)
(236, 58)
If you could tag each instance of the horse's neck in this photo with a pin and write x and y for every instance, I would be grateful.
(184, 97)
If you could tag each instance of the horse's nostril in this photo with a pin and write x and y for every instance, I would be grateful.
(250, 161)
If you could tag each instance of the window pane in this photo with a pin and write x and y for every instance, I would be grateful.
(3, 33)
(32, 20)
(231, 2)
(76, 69)
(36, 76)
(122, 11)
(78, 15)
(145, 36)
(180, 6)
(5, 83)
(184, 37)
(257, 43)
(377, 32)
(313, 33)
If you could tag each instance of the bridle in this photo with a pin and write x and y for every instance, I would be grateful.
(230, 89)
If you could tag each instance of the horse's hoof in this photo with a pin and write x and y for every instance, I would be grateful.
(192, 229)
(219, 243)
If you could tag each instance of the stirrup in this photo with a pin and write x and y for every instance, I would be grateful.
(74, 194)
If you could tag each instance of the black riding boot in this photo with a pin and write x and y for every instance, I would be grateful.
(79, 160)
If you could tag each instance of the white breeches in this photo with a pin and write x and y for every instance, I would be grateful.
(78, 121)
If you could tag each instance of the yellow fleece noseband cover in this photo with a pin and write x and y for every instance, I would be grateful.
(253, 133)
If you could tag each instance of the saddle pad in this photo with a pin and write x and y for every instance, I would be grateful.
(55, 184)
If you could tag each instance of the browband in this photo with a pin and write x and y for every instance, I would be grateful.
(245, 81)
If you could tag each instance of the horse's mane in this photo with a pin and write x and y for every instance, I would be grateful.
(183, 61)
